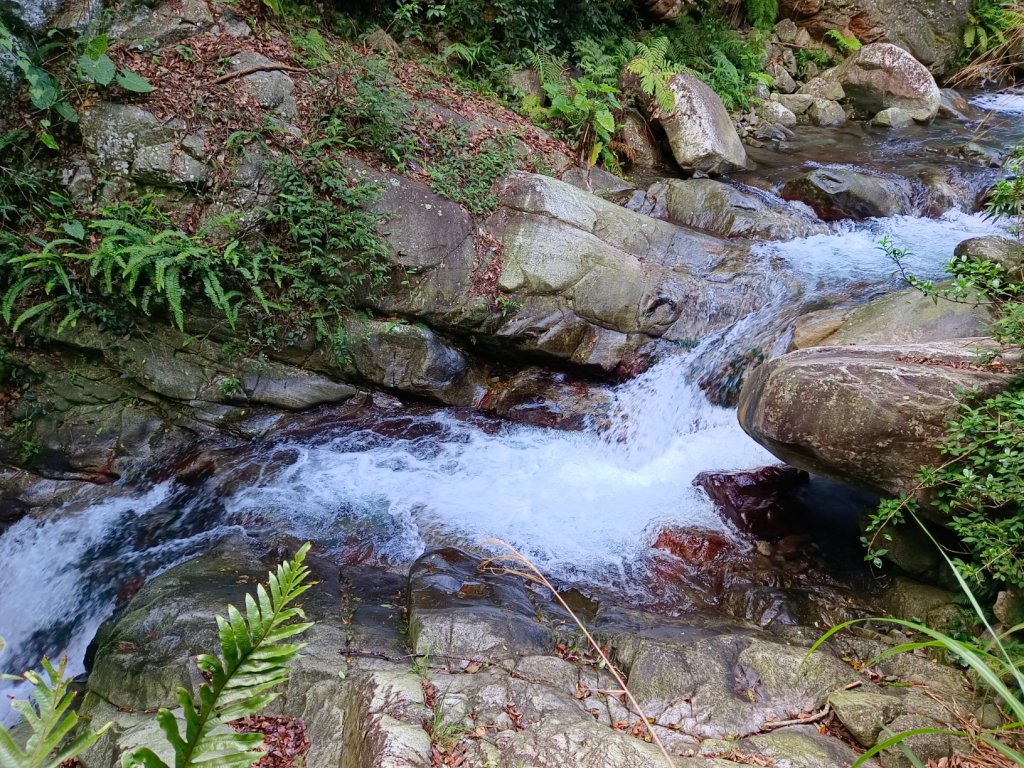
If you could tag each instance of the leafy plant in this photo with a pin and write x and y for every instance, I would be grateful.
(731, 65)
(377, 115)
(652, 67)
(254, 659)
(94, 65)
(49, 720)
(992, 41)
(583, 110)
(988, 23)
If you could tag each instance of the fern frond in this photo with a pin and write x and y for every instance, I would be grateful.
(253, 660)
(48, 720)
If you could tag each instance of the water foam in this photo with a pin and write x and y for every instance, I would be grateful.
(1009, 102)
(581, 504)
(851, 254)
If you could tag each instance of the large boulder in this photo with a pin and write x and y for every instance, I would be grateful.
(882, 76)
(700, 131)
(723, 209)
(839, 193)
(559, 271)
(868, 416)
(930, 29)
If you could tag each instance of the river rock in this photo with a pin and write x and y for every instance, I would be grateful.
(955, 105)
(408, 358)
(725, 210)
(868, 416)
(827, 114)
(904, 317)
(644, 150)
(893, 117)
(864, 713)
(931, 30)
(699, 130)
(838, 193)
(775, 113)
(594, 281)
(881, 76)
(782, 81)
(459, 612)
(823, 88)
(797, 103)
(758, 502)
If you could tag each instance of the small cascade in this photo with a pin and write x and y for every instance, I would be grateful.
(585, 505)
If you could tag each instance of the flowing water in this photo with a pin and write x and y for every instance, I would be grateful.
(585, 505)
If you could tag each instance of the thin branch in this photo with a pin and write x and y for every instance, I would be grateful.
(254, 70)
(812, 718)
(535, 574)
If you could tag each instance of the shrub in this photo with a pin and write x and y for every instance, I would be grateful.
(731, 65)
(761, 14)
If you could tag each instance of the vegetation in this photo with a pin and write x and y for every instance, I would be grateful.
(762, 14)
(979, 486)
(61, 263)
(49, 721)
(993, 42)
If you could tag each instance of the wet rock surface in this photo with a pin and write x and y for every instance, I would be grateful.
(838, 193)
(366, 700)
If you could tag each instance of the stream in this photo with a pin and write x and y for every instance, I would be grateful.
(586, 506)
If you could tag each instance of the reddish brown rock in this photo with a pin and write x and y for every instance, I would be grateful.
(694, 545)
(758, 502)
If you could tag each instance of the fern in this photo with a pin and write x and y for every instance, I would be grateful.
(48, 719)
(761, 14)
(842, 42)
(652, 66)
(255, 659)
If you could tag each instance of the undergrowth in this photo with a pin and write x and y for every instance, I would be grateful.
(318, 255)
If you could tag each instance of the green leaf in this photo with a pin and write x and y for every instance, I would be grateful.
(252, 661)
(74, 228)
(101, 69)
(97, 46)
(133, 81)
(605, 119)
(43, 90)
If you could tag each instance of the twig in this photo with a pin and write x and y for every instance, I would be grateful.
(535, 575)
(254, 70)
(813, 718)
